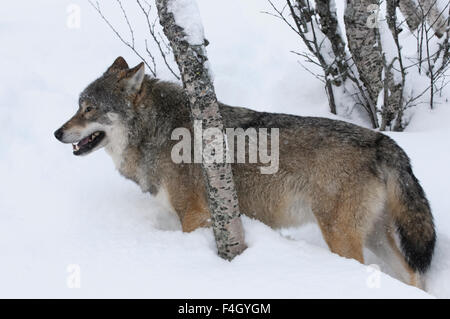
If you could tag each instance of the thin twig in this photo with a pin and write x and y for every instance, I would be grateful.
(151, 29)
(96, 6)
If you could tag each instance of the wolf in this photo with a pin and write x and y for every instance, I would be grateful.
(355, 183)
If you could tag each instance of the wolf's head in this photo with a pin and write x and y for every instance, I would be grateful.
(102, 105)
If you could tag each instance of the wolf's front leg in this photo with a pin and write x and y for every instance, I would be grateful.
(196, 215)
(186, 193)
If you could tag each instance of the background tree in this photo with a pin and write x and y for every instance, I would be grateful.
(371, 64)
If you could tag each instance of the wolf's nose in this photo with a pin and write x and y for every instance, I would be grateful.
(59, 134)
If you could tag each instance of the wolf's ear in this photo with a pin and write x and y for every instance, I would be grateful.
(119, 65)
(133, 78)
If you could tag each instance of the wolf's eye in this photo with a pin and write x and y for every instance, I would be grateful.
(88, 109)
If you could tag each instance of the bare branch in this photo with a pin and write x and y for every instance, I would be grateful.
(96, 6)
(151, 29)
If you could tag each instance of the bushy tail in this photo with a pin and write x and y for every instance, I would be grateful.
(409, 207)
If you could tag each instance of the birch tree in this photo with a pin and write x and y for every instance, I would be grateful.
(370, 64)
(182, 26)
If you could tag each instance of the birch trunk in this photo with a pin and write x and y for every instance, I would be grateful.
(363, 42)
(395, 101)
(409, 9)
(305, 17)
(221, 192)
(434, 16)
(330, 28)
(416, 11)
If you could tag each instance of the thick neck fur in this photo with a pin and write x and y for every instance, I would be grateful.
(143, 133)
(159, 108)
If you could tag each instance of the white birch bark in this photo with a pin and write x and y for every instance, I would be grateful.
(191, 58)
(364, 44)
(416, 11)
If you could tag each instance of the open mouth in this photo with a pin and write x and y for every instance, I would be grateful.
(88, 143)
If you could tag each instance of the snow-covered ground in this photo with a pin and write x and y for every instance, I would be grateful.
(63, 216)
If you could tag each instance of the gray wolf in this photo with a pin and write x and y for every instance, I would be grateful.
(355, 183)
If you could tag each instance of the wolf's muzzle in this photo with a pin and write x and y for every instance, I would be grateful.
(59, 134)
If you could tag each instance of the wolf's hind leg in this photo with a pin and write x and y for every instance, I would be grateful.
(382, 243)
(346, 219)
(413, 276)
(348, 245)
(340, 235)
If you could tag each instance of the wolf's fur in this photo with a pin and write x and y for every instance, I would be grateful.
(357, 184)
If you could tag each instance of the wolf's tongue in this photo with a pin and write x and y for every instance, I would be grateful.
(83, 141)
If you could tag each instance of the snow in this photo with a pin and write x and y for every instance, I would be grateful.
(60, 213)
(187, 16)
